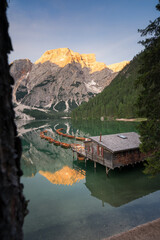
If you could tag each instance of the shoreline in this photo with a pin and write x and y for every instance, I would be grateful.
(131, 119)
(126, 120)
(147, 231)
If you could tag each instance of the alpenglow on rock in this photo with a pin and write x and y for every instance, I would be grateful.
(116, 67)
(64, 56)
(59, 80)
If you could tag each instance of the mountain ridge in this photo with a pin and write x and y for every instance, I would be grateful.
(116, 100)
(64, 56)
(59, 80)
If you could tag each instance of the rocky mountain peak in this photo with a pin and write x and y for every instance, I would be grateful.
(64, 56)
(60, 80)
(116, 67)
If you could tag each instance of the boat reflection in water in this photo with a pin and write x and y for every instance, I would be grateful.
(52, 162)
(65, 195)
(56, 164)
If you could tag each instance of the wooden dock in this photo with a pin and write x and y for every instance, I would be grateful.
(79, 149)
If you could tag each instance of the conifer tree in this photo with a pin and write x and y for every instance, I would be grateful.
(149, 98)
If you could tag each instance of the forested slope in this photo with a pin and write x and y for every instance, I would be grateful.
(116, 100)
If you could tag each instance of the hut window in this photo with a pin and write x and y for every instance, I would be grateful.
(100, 151)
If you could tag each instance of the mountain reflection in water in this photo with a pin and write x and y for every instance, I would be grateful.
(70, 200)
(56, 165)
(65, 176)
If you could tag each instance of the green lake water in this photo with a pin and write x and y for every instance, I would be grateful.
(69, 200)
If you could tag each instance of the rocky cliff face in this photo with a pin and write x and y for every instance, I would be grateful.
(60, 80)
(20, 70)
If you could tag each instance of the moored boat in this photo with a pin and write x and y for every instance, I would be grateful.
(57, 143)
(51, 140)
(65, 145)
(80, 138)
(45, 131)
(80, 158)
(70, 136)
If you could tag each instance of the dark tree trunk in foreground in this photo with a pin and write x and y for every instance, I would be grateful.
(12, 202)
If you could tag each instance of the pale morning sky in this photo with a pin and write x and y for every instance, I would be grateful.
(107, 28)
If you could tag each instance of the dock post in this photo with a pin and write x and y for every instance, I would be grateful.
(85, 161)
(94, 164)
(107, 170)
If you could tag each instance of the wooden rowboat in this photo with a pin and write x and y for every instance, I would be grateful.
(42, 136)
(60, 133)
(65, 145)
(70, 136)
(81, 158)
(46, 138)
(64, 134)
(51, 140)
(57, 143)
(80, 138)
(58, 130)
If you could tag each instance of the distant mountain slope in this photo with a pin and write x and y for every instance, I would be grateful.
(59, 81)
(116, 100)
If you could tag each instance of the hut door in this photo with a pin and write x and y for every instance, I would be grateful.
(97, 150)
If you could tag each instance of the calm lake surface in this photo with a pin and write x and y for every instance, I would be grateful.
(69, 200)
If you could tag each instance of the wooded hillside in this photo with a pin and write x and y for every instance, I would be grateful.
(116, 100)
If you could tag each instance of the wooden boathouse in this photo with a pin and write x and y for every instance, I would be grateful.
(114, 150)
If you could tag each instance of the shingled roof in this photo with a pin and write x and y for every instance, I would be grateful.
(118, 142)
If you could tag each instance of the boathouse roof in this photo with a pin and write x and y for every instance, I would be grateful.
(118, 142)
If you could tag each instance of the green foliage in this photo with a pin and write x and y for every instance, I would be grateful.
(153, 164)
(21, 93)
(61, 106)
(116, 100)
(149, 97)
(72, 104)
(151, 138)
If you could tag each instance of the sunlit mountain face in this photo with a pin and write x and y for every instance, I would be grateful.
(59, 81)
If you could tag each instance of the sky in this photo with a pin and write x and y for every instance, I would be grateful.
(107, 28)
